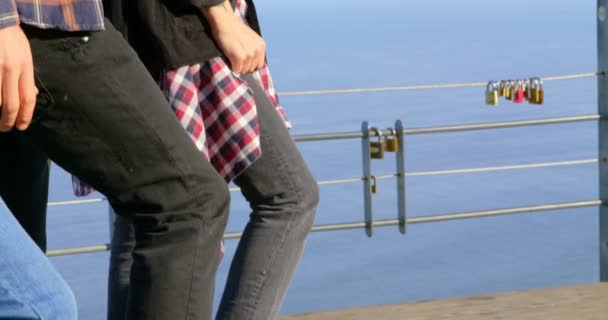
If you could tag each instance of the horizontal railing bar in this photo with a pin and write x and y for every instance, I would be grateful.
(386, 223)
(504, 168)
(80, 250)
(461, 171)
(455, 128)
(422, 87)
(501, 125)
(508, 211)
(461, 216)
(410, 174)
(341, 181)
(327, 136)
(74, 202)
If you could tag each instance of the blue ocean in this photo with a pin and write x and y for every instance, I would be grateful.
(342, 44)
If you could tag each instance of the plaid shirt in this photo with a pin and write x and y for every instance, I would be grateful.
(69, 15)
(218, 110)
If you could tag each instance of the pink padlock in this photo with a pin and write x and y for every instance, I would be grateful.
(520, 94)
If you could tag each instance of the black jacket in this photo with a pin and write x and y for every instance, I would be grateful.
(168, 33)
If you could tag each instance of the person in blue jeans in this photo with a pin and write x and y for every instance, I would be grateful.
(30, 287)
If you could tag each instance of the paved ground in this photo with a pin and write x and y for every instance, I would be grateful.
(587, 302)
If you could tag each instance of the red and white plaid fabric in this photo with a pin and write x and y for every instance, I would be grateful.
(217, 108)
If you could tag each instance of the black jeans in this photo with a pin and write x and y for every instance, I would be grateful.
(100, 116)
(283, 196)
(24, 184)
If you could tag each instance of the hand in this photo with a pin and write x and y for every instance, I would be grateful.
(244, 48)
(17, 87)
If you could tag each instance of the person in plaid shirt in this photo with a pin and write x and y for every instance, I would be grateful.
(230, 109)
(71, 86)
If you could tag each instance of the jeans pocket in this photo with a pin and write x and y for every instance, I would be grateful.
(44, 100)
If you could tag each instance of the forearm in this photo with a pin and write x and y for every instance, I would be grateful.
(245, 49)
(8, 14)
(219, 15)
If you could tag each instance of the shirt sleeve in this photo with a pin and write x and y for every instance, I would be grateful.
(8, 14)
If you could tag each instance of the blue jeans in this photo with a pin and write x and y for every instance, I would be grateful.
(30, 287)
(283, 196)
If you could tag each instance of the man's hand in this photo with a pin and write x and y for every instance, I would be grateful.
(243, 47)
(17, 87)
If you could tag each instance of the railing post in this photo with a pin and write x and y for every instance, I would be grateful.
(367, 179)
(602, 88)
(400, 157)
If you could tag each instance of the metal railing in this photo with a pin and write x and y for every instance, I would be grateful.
(370, 223)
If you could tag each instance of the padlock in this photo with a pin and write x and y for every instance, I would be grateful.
(528, 89)
(541, 92)
(374, 185)
(391, 143)
(492, 94)
(537, 94)
(535, 91)
(513, 90)
(532, 91)
(519, 94)
(527, 92)
(376, 149)
(509, 91)
(502, 88)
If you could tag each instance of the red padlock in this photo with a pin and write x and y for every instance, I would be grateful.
(520, 94)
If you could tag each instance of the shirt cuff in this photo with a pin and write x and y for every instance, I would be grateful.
(8, 14)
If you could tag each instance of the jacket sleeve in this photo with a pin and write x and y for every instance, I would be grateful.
(8, 14)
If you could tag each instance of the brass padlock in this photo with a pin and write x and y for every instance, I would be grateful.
(534, 92)
(391, 143)
(537, 92)
(509, 89)
(529, 90)
(376, 149)
(492, 94)
(541, 92)
(502, 88)
(514, 89)
(374, 185)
